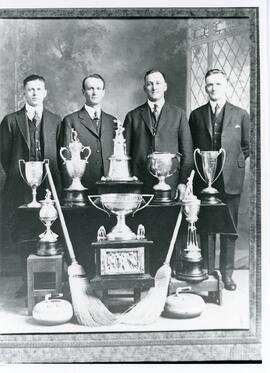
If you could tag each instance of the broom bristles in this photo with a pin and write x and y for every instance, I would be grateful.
(151, 306)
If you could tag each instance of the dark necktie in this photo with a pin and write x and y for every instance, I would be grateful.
(36, 119)
(216, 112)
(155, 117)
(96, 121)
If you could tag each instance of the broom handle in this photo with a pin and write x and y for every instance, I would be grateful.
(61, 216)
(174, 236)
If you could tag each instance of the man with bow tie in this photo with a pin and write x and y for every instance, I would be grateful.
(30, 134)
(95, 128)
(158, 126)
(219, 124)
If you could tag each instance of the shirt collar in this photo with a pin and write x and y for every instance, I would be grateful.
(220, 103)
(31, 110)
(91, 111)
(159, 104)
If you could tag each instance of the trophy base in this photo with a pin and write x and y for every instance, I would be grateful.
(75, 198)
(208, 199)
(108, 186)
(45, 248)
(121, 235)
(191, 270)
(162, 197)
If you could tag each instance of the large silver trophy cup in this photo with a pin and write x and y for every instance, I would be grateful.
(33, 177)
(163, 165)
(209, 166)
(121, 205)
(74, 194)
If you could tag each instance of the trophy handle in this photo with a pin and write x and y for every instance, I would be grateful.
(20, 169)
(221, 151)
(45, 161)
(61, 153)
(151, 196)
(89, 152)
(195, 161)
(96, 206)
(178, 156)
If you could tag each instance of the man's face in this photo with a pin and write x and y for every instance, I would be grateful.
(155, 86)
(216, 86)
(35, 92)
(93, 91)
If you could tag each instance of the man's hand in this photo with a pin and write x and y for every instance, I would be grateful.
(180, 191)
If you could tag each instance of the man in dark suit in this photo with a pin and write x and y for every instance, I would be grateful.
(158, 126)
(221, 124)
(95, 128)
(162, 127)
(29, 134)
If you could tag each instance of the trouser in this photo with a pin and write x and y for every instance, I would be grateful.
(227, 242)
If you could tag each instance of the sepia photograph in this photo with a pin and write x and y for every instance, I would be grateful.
(130, 179)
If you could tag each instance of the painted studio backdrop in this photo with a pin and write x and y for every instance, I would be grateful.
(122, 50)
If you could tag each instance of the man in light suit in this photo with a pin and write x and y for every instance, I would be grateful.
(158, 126)
(95, 128)
(29, 134)
(221, 124)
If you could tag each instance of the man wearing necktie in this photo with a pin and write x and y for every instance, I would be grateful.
(95, 128)
(158, 126)
(221, 124)
(30, 134)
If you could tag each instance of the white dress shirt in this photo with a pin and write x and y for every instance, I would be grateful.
(32, 110)
(159, 104)
(91, 111)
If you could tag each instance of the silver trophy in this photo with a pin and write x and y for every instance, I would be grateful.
(191, 260)
(74, 194)
(209, 165)
(121, 205)
(47, 215)
(163, 165)
(33, 177)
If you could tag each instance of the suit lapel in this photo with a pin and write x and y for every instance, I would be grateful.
(227, 115)
(48, 130)
(164, 115)
(86, 121)
(145, 114)
(206, 116)
(107, 134)
(22, 124)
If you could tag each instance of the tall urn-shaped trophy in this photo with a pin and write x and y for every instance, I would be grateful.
(209, 166)
(75, 194)
(122, 256)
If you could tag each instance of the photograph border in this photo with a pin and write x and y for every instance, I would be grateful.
(171, 346)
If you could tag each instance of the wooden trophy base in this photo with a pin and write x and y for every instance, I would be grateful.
(122, 265)
(45, 248)
(75, 198)
(162, 197)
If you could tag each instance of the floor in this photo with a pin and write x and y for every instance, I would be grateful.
(232, 314)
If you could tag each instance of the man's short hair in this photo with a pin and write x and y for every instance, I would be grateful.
(32, 77)
(215, 71)
(97, 76)
(154, 71)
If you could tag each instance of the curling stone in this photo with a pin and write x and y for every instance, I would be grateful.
(183, 305)
(52, 311)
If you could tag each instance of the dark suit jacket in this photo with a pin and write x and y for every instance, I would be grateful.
(234, 139)
(173, 135)
(101, 146)
(15, 145)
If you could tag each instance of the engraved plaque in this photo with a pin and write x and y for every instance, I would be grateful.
(122, 261)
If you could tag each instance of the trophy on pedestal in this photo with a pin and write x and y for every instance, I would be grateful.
(163, 165)
(47, 244)
(209, 165)
(75, 194)
(33, 177)
(191, 260)
(122, 256)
